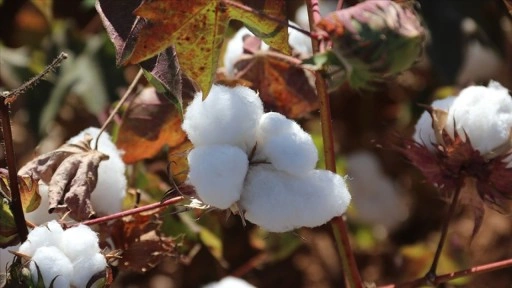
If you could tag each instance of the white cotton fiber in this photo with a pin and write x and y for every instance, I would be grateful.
(227, 116)
(424, 133)
(282, 142)
(41, 215)
(78, 242)
(42, 236)
(484, 114)
(279, 202)
(86, 267)
(107, 197)
(230, 282)
(52, 263)
(217, 172)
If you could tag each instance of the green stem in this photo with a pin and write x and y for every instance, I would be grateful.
(352, 277)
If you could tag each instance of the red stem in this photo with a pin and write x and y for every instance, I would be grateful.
(454, 275)
(133, 211)
(352, 277)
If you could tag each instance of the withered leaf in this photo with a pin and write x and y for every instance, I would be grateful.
(71, 173)
(282, 87)
(28, 188)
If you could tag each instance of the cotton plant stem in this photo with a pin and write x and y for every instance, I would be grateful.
(133, 211)
(15, 204)
(351, 273)
(454, 275)
(118, 106)
(431, 274)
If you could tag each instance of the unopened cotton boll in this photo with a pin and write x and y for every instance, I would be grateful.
(230, 282)
(484, 114)
(52, 264)
(107, 197)
(217, 172)
(424, 133)
(228, 116)
(285, 144)
(280, 202)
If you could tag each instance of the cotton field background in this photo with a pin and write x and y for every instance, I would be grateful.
(213, 144)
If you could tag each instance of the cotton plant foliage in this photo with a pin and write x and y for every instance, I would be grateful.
(261, 165)
(71, 257)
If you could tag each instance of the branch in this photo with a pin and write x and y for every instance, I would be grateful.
(352, 277)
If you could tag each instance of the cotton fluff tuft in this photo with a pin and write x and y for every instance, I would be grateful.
(217, 172)
(484, 114)
(230, 282)
(75, 253)
(227, 116)
(52, 263)
(107, 197)
(279, 202)
(424, 133)
(283, 142)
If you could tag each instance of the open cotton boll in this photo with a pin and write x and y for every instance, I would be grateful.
(217, 173)
(283, 142)
(279, 202)
(107, 197)
(42, 236)
(227, 116)
(484, 114)
(230, 282)
(78, 242)
(424, 133)
(86, 267)
(53, 264)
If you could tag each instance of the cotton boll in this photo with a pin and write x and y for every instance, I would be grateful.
(227, 116)
(41, 215)
(279, 202)
(217, 173)
(52, 263)
(79, 241)
(42, 236)
(107, 197)
(283, 142)
(374, 194)
(424, 133)
(86, 267)
(230, 282)
(484, 114)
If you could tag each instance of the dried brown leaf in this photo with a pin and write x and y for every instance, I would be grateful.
(71, 173)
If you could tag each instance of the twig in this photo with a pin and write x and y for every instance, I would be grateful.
(431, 274)
(250, 265)
(12, 95)
(15, 204)
(284, 23)
(118, 106)
(352, 276)
(454, 275)
(133, 211)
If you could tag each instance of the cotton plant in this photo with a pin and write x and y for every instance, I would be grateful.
(260, 165)
(466, 147)
(63, 258)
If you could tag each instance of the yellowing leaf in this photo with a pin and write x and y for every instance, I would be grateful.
(8, 231)
(29, 190)
(196, 29)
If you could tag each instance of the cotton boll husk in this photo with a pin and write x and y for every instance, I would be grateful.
(230, 282)
(107, 197)
(374, 194)
(78, 242)
(217, 173)
(227, 116)
(86, 267)
(41, 215)
(42, 236)
(52, 263)
(279, 202)
(283, 142)
(484, 114)
(424, 133)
